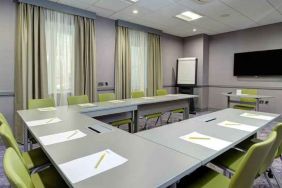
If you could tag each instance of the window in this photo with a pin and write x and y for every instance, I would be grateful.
(60, 36)
(138, 48)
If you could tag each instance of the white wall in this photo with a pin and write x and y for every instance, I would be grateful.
(7, 56)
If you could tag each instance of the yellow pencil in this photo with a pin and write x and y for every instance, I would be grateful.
(72, 134)
(50, 120)
(100, 160)
(200, 138)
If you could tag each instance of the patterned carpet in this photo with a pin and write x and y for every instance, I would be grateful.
(259, 182)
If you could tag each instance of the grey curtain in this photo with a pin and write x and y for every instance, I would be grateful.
(31, 60)
(85, 58)
(122, 64)
(154, 67)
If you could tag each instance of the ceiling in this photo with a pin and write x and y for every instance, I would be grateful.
(219, 16)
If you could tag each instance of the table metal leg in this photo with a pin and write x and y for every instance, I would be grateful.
(186, 112)
(257, 105)
(25, 139)
(135, 121)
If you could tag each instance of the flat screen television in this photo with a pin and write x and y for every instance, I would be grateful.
(258, 63)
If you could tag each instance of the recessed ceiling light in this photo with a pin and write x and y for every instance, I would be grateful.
(194, 30)
(188, 16)
(132, 1)
(135, 11)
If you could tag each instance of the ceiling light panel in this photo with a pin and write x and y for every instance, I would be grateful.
(188, 16)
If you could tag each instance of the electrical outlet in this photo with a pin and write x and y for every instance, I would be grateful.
(100, 84)
(266, 102)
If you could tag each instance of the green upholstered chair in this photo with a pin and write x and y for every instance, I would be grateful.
(247, 106)
(41, 103)
(104, 97)
(32, 159)
(139, 94)
(73, 100)
(243, 177)
(232, 158)
(162, 92)
(19, 176)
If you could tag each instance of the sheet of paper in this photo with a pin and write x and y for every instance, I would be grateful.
(91, 165)
(206, 141)
(239, 126)
(87, 105)
(148, 98)
(43, 121)
(48, 109)
(116, 101)
(257, 116)
(61, 137)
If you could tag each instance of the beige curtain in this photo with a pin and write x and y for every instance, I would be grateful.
(154, 67)
(122, 64)
(31, 60)
(85, 58)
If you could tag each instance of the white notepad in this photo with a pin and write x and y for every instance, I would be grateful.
(206, 141)
(116, 101)
(239, 126)
(87, 105)
(43, 121)
(86, 167)
(147, 97)
(61, 137)
(47, 109)
(257, 116)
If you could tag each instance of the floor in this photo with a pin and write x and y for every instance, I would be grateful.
(259, 182)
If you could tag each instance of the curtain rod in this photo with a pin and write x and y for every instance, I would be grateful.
(138, 27)
(60, 8)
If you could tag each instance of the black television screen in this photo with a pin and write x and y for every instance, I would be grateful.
(259, 63)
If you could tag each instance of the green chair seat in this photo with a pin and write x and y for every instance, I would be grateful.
(121, 122)
(204, 178)
(19, 176)
(230, 159)
(180, 110)
(34, 158)
(162, 92)
(48, 178)
(244, 177)
(152, 116)
(73, 100)
(139, 94)
(244, 106)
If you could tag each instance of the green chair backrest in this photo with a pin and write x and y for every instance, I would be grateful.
(272, 153)
(103, 97)
(3, 119)
(8, 137)
(251, 163)
(161, 92)
(15, 170)
(249, 92)
(73, 100)
(137, 94)
(40, 103)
